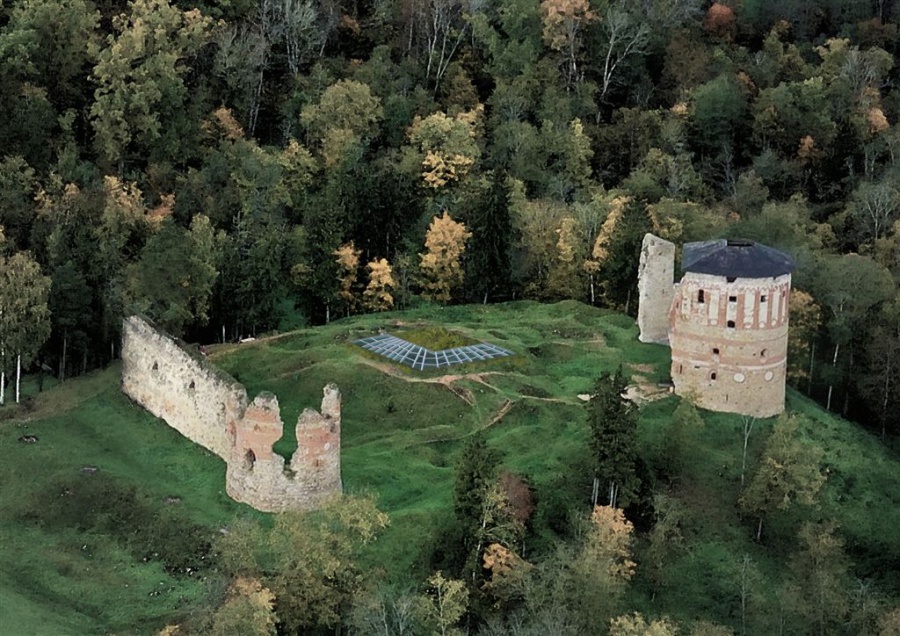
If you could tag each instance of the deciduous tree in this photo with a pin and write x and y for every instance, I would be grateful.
(377, 295)
(317, 574)
(140, 78)
(790, 473)
(681, 437)
(173, 280)
(873, 209)
(444, 149)
(625, 33)
(806, 316)
(849, 286)
(347, 113)
(248, 609)
(24, 316)
(347, 259)
(637, 625)
(820, 570)
(441, 265)
(443, 605)
(564, 22)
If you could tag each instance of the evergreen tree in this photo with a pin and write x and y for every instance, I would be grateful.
(476, 470)
(70, 310)
(488, 259)
(613, 424)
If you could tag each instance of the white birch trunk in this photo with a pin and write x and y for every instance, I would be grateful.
(62, 363)
(18, 376)
(837, 348)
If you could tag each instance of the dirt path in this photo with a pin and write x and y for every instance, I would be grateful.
(449, 381)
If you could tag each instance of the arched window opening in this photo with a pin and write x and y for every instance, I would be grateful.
(249, 459)
(712, 376)
(701, 298)
(192, 386)
(155, 366)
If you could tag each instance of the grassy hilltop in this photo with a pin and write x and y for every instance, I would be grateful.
(106, 519)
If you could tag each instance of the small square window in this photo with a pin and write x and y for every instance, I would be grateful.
(715, 351)
(731, 324)
(762, 298)
(732, 299)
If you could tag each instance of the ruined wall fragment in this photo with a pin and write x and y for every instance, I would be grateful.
(210, 408)
(177, 385)
(259, 477)
(656, 275)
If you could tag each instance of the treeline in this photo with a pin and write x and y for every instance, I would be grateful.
(216, 164)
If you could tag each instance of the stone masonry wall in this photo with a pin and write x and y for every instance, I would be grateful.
(190, 394)
(210, 408)
(259, 477)
(656, 274)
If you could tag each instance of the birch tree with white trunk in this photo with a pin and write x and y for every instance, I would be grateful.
(24, 316)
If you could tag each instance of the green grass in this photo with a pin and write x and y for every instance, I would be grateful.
(66, 573)
(435, 338)
(402, 432)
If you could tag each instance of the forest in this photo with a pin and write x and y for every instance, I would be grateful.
(224, 166)
(232, 167)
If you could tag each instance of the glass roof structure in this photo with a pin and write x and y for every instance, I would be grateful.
(420, 358)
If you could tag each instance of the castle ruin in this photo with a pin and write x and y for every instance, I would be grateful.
(656, 274)
(211, 408)
(727, 325)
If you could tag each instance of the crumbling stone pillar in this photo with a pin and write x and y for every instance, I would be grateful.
(656, 277)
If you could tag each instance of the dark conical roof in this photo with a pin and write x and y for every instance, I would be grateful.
(738, 258)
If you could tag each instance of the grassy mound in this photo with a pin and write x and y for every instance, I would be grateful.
(106, 520)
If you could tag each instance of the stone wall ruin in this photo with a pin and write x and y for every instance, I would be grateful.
(211, 408)
(656, 275)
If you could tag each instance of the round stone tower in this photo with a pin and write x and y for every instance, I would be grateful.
(728, 326)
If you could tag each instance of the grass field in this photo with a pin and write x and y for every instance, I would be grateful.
(71, 563)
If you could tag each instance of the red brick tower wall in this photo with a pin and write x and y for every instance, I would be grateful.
(729, 342)
(260, 428)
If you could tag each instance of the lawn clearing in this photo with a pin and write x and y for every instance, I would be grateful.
(68, 569)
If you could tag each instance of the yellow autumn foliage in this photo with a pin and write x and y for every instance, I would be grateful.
(609, 542)
(601, 246)
(376, 297)
(562, 20)
(347, 258)
(441, 265)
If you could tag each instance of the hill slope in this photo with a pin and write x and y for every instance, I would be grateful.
(84, 550)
